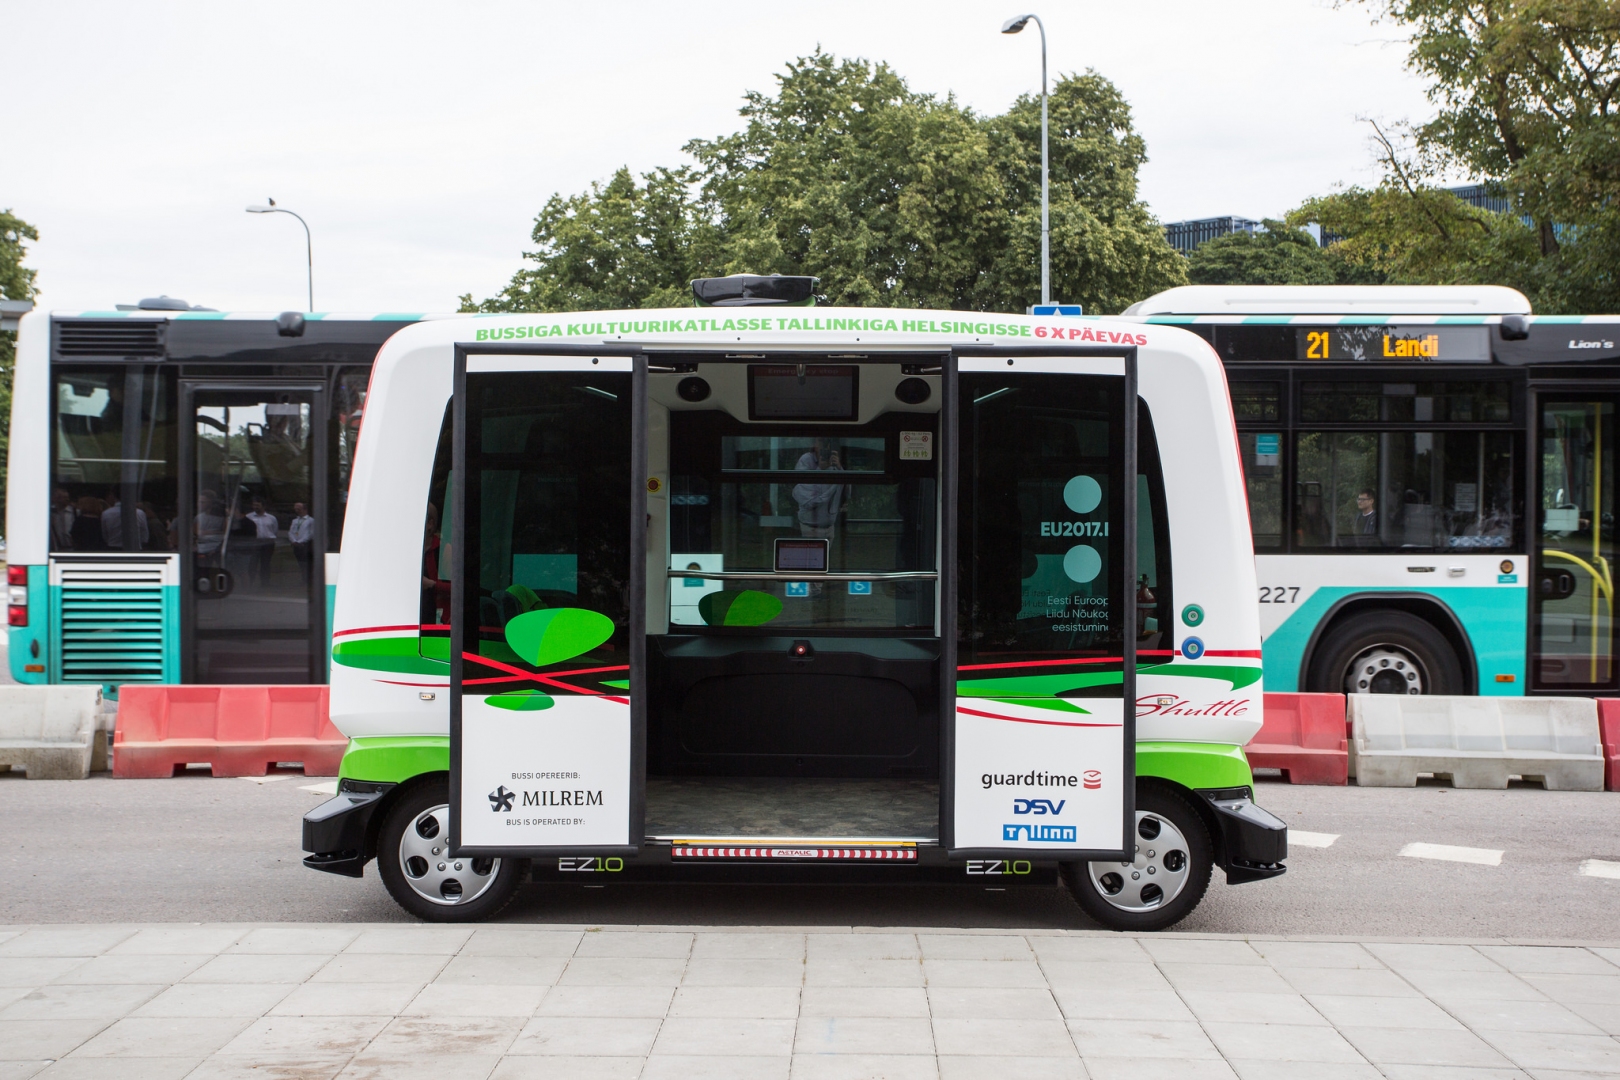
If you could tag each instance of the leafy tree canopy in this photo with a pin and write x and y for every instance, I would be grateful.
(889, 196)
(1281, 255)
(1527, 96)
(16, 283)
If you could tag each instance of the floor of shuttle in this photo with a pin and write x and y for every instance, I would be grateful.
(691, 807)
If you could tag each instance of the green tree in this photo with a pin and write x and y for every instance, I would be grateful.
(889, 196)
(1527, 96)
(16, 283)
(1281, 255)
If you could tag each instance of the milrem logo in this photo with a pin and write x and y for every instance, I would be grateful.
(1173, 705)
(1060, 834)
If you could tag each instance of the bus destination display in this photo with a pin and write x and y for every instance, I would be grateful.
(1395, 344)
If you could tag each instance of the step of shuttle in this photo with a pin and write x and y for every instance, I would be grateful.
(1478, 742)
(49, 731)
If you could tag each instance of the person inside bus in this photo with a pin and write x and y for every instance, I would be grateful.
(112, 525)
(266, 529)
(86, 532)
(1366, 513)
(63, 515)
(819, 503)
(208, 529)
(301, 534)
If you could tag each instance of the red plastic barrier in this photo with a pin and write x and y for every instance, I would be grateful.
(1304, 736)
(1609, 724)
(237, 730)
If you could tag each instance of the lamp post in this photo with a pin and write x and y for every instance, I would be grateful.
(309, 249)
(1013, 26)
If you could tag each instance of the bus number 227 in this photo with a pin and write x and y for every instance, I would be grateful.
(1279, 594)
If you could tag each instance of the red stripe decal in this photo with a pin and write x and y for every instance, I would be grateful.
(1022, 720)
(374, 630)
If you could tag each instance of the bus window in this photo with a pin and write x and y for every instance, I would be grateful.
(1262, 474)
(737, 492)
(551, 502)
(1405, 402)
(1040, 490)
(114, 445)
(348, 404)
(1425, 490)
(1257, 402)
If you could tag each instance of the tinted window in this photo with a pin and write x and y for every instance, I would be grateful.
(1429, 490)
(1405, 402)
(114, 445)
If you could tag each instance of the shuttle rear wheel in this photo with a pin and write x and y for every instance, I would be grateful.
(413, 857)
(1165, 881)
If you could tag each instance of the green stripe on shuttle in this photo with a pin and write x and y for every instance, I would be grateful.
(393, 759)
(1198, 766)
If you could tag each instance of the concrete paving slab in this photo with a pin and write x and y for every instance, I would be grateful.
(864, 1035)
(1011, 1068)
(687, 1067)
(710, 1003)
(81, 941)
(88, 1068)
(747, 1002)
(606, 1001)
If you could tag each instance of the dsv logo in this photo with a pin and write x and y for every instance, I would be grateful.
(1038, 806)
(500, 800)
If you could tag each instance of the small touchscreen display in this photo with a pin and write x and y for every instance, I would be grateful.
(802, 391)
(801, 556)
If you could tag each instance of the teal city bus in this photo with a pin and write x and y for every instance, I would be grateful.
(1430, 477)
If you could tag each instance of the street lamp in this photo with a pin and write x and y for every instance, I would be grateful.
(1012, 26)
(309, 250)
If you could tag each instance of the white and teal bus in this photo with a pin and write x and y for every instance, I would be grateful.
(767, 591)
(176, 491)
(1431, 484)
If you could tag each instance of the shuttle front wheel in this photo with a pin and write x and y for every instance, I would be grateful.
(413, 857)
(1165, 881)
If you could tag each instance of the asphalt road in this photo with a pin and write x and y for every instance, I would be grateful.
(197, 849)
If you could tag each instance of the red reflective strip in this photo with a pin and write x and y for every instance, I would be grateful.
(1022, 720)
(375, 630)
(1041, 663)
(1252, 654)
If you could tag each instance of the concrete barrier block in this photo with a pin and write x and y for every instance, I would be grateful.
(49, 731)
(1477, 742)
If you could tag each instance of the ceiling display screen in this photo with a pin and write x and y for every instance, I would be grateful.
(802, 391)
(801, 556)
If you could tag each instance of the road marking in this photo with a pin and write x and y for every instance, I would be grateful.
(1448, 853)
(1301, 838)
(1600, 868)
(272, 778)
(325, 787)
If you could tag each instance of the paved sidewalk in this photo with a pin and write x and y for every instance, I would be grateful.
(366, 1000)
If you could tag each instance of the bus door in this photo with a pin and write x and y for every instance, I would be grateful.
(1040, 744)
(251, 533)
(548, 584)
(1572, 594)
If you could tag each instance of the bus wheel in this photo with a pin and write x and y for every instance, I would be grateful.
(1385, 652)
(1167, 879)
(414, 861)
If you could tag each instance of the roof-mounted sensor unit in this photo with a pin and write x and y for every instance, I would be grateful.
(755, 290)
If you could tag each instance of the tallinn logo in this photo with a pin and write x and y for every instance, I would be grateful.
(500, 800)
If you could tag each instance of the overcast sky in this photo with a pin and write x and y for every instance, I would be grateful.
(419, 140)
